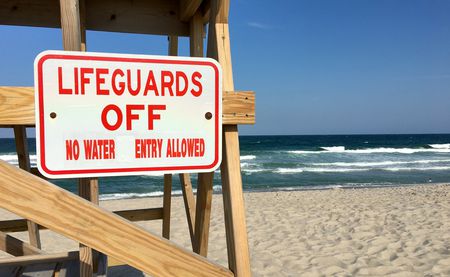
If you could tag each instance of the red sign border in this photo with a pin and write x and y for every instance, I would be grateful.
(85, 172)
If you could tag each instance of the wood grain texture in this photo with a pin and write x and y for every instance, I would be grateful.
(189, 204)
(16, 247)
(203, 212)
(159, 17)
(17, 107)
(188, 8)
(167, 205)
(238, 107)
(196, 35)
(23, 155)
(173, 46)
(233, 197)
(20, 225)
(39, 258)
(70, 24)
(69, 215)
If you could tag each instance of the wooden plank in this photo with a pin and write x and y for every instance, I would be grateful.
(73, 29)
(141, 214)
(16, 247)
(238, 108)
(88, 189)
(233, 198)
(196, 37)
(23, 155)
(20, 225)
(188, 8)
(70, 24)
(40, 258)
(189, 203)
(173, 46)
(12, 271)
(166, 205)
(70, 268)
(39, 270)
(17, 107)
(69, 215)
(159, 17)
(203, 212)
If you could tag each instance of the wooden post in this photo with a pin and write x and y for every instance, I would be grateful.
(189, 204)
(166, 205)
(23, 155)
(173, 51)
(205, 180)
(233, 198)
(74, 39)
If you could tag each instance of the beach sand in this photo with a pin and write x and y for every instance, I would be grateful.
(401, 231)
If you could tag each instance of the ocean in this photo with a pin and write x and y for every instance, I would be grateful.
(301, 162)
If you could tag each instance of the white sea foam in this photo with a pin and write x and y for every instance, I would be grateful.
(417, 168)
(248, 157)
(381, 163)
(440, 146)
(341, 149)
(335, 149)
(343, 170)
(117, 196)
(12, 159)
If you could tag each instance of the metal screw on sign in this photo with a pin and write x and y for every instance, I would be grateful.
(208, 115)
(52, 115)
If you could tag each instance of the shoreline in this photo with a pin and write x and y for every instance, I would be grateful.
(403, 231)
(281, 189)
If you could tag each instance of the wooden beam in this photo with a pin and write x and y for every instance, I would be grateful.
(20, 135)
(159, 17)
(233, 197)
(204, 184)
(203, 212)
(173, 46)
(16, 247)
(73, 30)
(189, 204)
(17, 107)
(238, 107)
(88, 189)
(70, 24)
(67, 214)
(39, 259)
(166, 205)
(20, 225)
(188, 8)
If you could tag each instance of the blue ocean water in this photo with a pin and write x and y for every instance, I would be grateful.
(303, 162)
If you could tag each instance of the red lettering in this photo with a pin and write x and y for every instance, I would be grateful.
(118, 90)
(60, 83)
(132, 91)
(119, 116)
(131, 116)
(72, 150)
(151, 84)
(152, 116)
(181, 76)
(101, 80)
(83, 79)
(196, 82)
(166, 84)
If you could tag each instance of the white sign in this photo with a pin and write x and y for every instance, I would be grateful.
(103, 114)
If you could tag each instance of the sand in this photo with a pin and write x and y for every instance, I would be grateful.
(402, 231)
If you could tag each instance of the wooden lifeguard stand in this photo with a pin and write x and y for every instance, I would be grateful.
(44, 205)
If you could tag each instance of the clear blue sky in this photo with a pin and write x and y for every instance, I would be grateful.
(318, 67)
